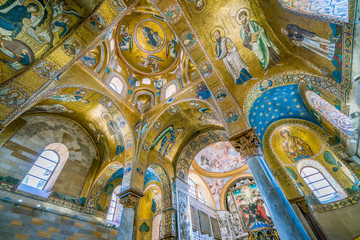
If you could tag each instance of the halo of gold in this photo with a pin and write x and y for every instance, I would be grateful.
(242, 10)
(221, 30)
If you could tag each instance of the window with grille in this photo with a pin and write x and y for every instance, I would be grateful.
(115, 208)
(42, 170)
(319, 185)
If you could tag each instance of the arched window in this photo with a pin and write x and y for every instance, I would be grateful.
(329, 11)
(45, 170)
(42, 170)
(115, 208)
(327, 111)
(170, 90)
(116, 84)
(194, 191)
(146, 81)
(318, 184)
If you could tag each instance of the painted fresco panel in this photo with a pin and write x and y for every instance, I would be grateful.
(219, 157)
(250, 206)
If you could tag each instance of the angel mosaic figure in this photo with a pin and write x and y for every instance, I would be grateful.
(170, 48)
(152, 61)
(127, 42)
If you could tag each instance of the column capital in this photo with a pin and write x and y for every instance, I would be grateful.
(247, 143)
(130, 199)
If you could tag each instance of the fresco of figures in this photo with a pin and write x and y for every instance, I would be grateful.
(219, 157)
(251, 206)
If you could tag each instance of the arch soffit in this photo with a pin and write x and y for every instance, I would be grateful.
(99, 184)
(126, 130)
(313, 14)
(188, 152)
(166, 185)
(333, 101)
(151, 132)
(327, 85)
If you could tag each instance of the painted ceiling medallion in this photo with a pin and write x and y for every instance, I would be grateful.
(220, 157)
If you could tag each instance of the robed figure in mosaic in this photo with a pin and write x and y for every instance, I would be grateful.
(309, 41)
(228, 52)
(294, 147)
(254, 37)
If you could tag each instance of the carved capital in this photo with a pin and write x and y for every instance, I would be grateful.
(246, 143)
(129, 199)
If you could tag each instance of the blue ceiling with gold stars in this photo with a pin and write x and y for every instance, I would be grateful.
(151, 175)
(277, 104)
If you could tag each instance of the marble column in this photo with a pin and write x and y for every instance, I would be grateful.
(129, 200)
(286, 222)
(183, 206)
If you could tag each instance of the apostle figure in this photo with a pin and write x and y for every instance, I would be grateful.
(294, 147)
(254, 37)
(310, 41)
(235, 65)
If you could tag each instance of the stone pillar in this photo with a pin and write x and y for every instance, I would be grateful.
(129, 200)
(183, 217)
(286, 222)
(305, 210)
(169, 224)
(224, 224)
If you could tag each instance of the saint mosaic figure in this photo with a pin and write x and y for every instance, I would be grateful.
(309, 41)
(254, 37)
(228, 52)
(294, 147)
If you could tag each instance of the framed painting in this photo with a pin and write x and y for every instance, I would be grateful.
(250, 206)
